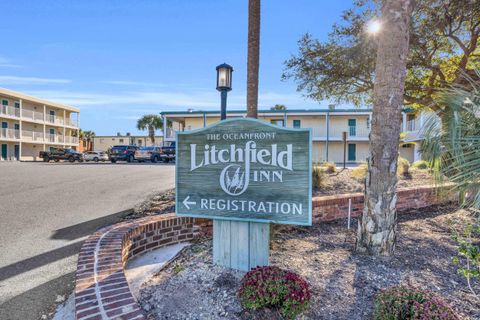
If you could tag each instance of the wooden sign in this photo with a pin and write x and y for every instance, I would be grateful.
(245, 170)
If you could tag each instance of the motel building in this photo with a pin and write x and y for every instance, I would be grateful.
(104, 143)
(328, 126)
(30, 125)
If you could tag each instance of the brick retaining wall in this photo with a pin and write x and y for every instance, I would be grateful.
(330, 208)
(101, 290)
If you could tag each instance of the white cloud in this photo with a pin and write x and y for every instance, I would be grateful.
(134, 83)
(7, 63)
(10, 80)
(154, 101)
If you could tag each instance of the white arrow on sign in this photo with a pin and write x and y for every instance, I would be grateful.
(187, 203)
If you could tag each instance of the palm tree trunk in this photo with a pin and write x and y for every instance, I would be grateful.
(377, 226)
(253, 57)
(151, 134)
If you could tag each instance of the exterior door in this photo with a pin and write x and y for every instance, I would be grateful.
(352, 152)
(16, 126)
(17, 109)
(17, 152)
(52, 116)
(4, 152)
(52, 135)
(4, 133)
(352, 127)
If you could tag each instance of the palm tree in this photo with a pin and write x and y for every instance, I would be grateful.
(151, 123)
(377, 226)
(253, 57)
(88, 137)
(279, 107)
(452, 144)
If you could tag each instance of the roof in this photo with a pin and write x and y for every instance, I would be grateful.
(124, 136)
(25, 97)
(186, 112)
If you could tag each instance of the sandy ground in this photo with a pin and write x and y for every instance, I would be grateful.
(343, 284)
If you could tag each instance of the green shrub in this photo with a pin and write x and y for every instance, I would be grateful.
(403, 166)
(318, 177)
(271, 286)
(421, 165)
(330, 167)
(360, 172)
(408, 303)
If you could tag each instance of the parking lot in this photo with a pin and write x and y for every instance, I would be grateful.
(47, 210)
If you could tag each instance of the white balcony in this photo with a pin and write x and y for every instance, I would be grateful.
(10, 134)
(71, 123)
(353, 133)
(71, 140)
(34, 136)
(50, 118)
(32, 115)
(10, 111)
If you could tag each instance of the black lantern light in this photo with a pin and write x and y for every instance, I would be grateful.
(224, 84)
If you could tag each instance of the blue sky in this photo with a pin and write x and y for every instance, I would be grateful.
(118, 60)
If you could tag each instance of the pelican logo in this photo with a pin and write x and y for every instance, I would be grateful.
(235, 178)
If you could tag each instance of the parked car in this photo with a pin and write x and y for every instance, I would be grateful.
(57, 154)
(148, 154)
(167, 153)
(122, 153)
(95, 156)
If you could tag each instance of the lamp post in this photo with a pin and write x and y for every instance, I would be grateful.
(224, 84)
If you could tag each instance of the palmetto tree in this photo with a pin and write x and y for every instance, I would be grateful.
(151, 123)
(452, 145)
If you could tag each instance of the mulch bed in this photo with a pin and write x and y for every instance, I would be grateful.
(343, 182)
(343, 284)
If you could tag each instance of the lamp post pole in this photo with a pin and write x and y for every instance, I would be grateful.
(223, 110)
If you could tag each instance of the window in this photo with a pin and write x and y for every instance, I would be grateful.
(296, 123)
(120, 140)
(5, 102)
(17, 105)
(410, 122)
(278, 122)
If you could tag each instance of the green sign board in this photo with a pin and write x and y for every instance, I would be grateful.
(245, 170)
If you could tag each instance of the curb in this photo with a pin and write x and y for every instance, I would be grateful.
(101, 289)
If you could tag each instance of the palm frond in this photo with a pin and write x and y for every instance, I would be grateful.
(452, 141)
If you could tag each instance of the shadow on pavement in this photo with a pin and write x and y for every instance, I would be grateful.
(88, 227)
(39, 260)
(69, 233)
(41, 299)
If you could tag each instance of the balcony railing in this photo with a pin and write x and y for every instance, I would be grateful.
(353, 132)
(30, 135)
(6, 133)
(10, 111)
(71, 123)
(54, 119)
(71, 140)
(33, 115)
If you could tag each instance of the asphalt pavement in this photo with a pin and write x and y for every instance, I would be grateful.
(46, 212)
